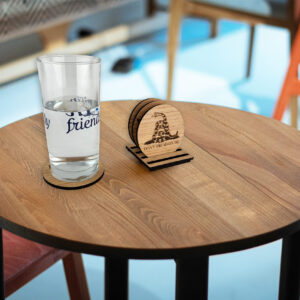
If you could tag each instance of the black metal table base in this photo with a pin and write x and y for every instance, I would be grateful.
(192, 274)
(289, 288)
(116, 279)
(192, 278)
(2, 286)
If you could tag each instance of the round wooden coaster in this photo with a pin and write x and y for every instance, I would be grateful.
(140, 115)
(135, 111)
(160, 131)
(48, 177)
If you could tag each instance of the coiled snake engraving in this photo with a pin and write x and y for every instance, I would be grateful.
(161, 130)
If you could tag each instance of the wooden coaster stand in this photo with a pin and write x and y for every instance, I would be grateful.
(157, 131)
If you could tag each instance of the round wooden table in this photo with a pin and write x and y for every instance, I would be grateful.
(241, 190)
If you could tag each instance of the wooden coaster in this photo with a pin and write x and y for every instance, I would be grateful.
(160, 161)
(135, 111)
(48, 177)
(160, 131)
(140, 115)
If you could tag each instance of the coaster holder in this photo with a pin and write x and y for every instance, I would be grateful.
(157, 131)
(160, 161)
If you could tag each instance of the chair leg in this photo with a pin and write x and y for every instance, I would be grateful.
(75, 276)
(294, 111)
(250, 51)
(151, 7)
(291, 74)
(176, 11)
(283, 100)
(213, 27)
(54, 37)
(294, 99)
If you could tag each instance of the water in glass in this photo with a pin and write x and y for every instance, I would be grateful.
(72, 131)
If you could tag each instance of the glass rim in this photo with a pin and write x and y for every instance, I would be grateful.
(68, 59)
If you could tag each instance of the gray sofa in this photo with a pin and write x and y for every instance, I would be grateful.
(20, 22)
(23, 17)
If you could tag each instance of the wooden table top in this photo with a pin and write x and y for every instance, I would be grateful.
(242, 189)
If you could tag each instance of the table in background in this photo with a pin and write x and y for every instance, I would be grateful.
(241, 190)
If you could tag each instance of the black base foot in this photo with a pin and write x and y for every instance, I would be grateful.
(289, 288)
(116, 279)
(192, 278)
(2, 284)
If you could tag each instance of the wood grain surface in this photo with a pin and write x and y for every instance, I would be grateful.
(242, 188)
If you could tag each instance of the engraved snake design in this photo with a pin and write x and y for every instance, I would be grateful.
(161, 131)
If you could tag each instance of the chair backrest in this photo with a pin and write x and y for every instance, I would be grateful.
(26, 16)
(268, 8)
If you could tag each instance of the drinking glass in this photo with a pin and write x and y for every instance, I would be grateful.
(70, 92)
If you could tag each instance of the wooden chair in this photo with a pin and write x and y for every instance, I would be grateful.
(24, 260)
(291, 86)
(271, 12)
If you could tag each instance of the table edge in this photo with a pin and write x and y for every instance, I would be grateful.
(163, 253)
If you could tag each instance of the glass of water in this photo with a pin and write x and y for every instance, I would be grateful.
(70, 92)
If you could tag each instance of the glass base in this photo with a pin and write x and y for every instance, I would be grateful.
(74, 169)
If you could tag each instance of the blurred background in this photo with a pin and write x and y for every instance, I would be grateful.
(233, 53)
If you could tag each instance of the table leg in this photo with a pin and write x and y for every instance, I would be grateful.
(116, 279)
(2, 286)
(290, 268)
(192, 278)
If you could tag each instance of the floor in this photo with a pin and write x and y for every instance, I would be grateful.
(210, 71)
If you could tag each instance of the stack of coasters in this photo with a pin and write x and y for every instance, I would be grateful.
(157, 130)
